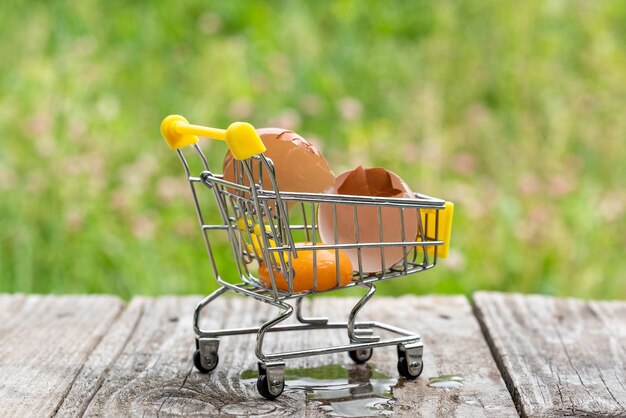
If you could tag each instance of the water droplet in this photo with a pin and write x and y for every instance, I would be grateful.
(470, 400)
(446, 381)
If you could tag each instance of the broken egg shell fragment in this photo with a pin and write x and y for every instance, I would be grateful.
(368, 182)
(299, 166)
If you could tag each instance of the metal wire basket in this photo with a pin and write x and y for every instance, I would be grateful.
(264, 225)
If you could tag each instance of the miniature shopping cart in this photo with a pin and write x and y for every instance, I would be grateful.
(263, 225)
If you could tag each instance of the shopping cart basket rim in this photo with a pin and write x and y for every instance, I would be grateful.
(419, 199)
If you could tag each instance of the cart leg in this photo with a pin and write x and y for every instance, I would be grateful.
(286, 311)
(203, 303)
(271, 381)
(304, 320)
(355, 333)
(205, 358)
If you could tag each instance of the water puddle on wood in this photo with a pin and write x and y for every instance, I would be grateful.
(345, 391)
(446, 381)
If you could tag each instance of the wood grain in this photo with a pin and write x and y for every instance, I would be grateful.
(153, 375)
(453, 345)
(44, 342)
(559, 357)
(100, 360)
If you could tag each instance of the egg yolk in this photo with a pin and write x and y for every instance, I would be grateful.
(326, 264)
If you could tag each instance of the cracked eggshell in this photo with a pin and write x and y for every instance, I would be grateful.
(369, 182)
(299, 165)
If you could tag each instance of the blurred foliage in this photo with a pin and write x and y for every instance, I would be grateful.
(511, 110)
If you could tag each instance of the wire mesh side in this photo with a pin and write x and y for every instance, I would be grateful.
(265, 225)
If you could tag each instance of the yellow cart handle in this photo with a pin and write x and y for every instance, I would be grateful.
(241, 137)
(443, 226)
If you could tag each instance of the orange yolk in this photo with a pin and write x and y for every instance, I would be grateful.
(303, 271)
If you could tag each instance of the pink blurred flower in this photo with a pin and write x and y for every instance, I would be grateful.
(35, 183)
(529, 184)
(137, 174)
(612, 205)
(477, 115)
(76, 130)
(561, 185)
(186, 228)
(143, 227)
(311, 104)
(464, 164)
(39, 123)
(172, 188)
(476, 201)
(456, 260)
(287, 119)
(350, 108)
(535, 224)
(120, 201)
(539, 216)
(410, 152)
(241, 108)
(74, 219)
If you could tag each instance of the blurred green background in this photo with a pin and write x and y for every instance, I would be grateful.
(513, 110)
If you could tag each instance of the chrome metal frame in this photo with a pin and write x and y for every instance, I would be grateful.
(248, 200)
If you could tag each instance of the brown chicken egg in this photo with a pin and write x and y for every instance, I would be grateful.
(299, 166)
(342, 228)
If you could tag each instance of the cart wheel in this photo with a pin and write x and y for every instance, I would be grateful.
(410, 363)
(263, 388)
(200, 367)
(272, 388)
(361, 355)
(412, 372)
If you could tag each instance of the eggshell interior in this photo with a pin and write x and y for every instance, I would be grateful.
(369, 182)
(299, 165)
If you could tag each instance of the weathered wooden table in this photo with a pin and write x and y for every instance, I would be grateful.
(500, 355)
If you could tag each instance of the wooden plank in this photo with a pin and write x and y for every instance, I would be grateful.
(559, 357)
(154, 373)
(44, 342)
(99, 362)
(10, 305)
(453, 345)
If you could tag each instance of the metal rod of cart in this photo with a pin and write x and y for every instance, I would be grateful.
(265, 225)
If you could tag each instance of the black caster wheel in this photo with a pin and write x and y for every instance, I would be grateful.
(410, 373)
(361, 355)
(263, 388)
(269, 389)
(410, 363)
(200, 367)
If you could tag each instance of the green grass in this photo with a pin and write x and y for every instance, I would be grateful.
(513, 110)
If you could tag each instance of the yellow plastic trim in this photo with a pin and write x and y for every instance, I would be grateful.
(257, 240)
(241, 137)
(243, 140)
(173, 136)
(444, 226)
